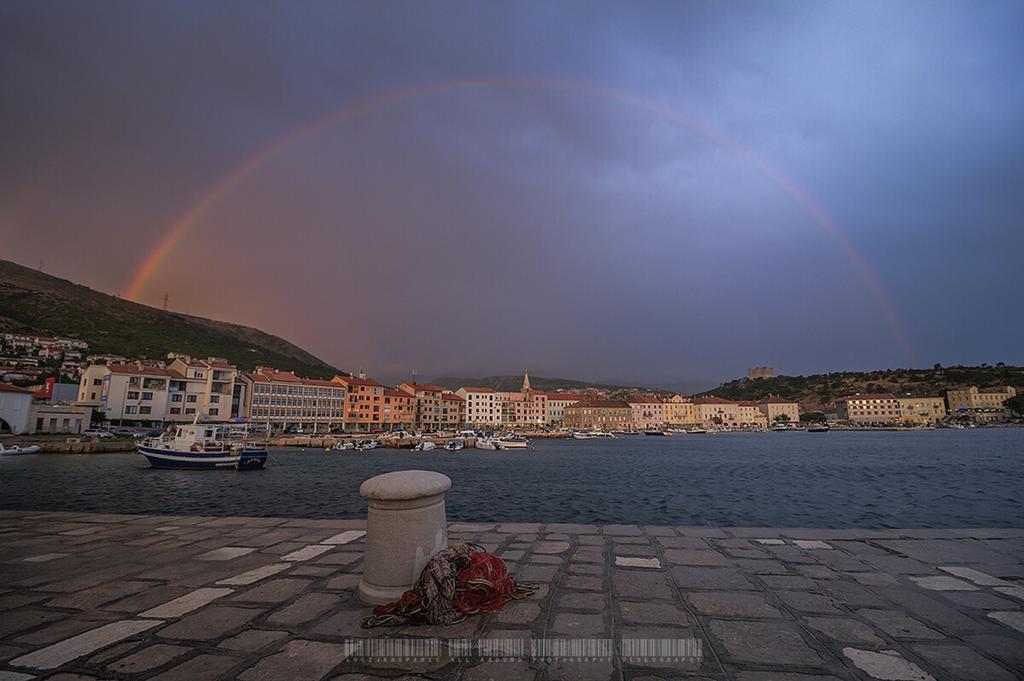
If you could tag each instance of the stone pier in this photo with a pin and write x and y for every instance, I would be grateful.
(98, 596)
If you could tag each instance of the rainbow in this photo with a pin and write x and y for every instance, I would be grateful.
(191, 218)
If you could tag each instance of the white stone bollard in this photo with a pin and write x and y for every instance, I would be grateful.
(405, 526)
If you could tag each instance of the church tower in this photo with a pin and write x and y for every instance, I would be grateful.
(526, 382)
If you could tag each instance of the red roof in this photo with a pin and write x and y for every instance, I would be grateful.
(478, 390)
(712, 399)
(567, 397)
(452, 396)
(269, 376)
(8, 388)
(599, 403)
(644, 399)
(390, 392)
(425, 386)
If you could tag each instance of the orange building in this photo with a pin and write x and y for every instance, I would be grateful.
(427, 404)
(453, 411)
(399, 410)
(364, 407)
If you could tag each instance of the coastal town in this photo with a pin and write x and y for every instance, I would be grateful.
(117, 391)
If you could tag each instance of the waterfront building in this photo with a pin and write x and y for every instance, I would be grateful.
(556, 404)
(15, 405)
(646, 411)
(985, 404)
(921, 410)
(205, 386)
(483, 406)
(399, 410)
(678, 411)
(524, 408)
(135, 392)
(750, 415)
(364, 406)
(280, 399)
(774, 406)
(453, 411)
(599, 414)
(869, 408)
(427, 404)
(716, 411)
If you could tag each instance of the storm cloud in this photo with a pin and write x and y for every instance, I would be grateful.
(598, 191)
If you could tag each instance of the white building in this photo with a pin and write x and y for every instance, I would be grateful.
(15, 405)
(556, 404)
(128, 392)
(483, 406)
(280, 399)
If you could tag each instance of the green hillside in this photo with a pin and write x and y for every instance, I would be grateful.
(34, 302)
(823, 388)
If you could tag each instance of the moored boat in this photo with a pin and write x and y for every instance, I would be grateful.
(657, 433)
(17, 450)
(696, 430)
(818, 428)
(197, 446)
(485, 443)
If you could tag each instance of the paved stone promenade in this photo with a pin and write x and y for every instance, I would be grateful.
(87, 596)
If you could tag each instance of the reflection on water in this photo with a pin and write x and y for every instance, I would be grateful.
(853, 479)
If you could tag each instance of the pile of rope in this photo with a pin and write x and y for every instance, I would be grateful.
(460, 581)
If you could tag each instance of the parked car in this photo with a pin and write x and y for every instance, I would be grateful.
(123, 432)
(96, 432)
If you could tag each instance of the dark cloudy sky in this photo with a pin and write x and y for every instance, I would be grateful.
(498, 227)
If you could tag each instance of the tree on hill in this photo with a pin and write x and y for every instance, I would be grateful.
(1016, 405)
(812, 417)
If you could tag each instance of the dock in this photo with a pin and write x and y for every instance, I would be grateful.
(101, 596)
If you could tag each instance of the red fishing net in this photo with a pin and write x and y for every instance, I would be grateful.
(460, 581)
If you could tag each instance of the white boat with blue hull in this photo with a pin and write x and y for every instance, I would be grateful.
(198, 446)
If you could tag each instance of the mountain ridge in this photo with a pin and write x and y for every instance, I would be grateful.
(32, 301)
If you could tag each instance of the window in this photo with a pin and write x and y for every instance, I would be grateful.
(132, 395)
(215, 398)
(175, 410)
(191, 399)
(97, 381)
(190, 410)
(130, 409)
(146, 409)
(147, 396)
(214, 412)
(176, 398)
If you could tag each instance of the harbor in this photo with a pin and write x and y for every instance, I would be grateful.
(936, 478)
(174, 597)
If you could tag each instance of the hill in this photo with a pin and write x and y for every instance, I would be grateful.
(512, 383)
(823, 388)
(34, 302)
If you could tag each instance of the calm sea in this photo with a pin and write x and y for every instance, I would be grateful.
(943, 478)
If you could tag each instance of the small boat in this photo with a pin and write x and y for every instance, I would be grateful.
(198, 446)
(657, 433)
(453, 446)
(425, 446)
(677, 431)
(364, 445)
(512, 443)
(818, 428)
(781, 426)
(486, 443)
(17, 450)
(696, 430)
(583, 436)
